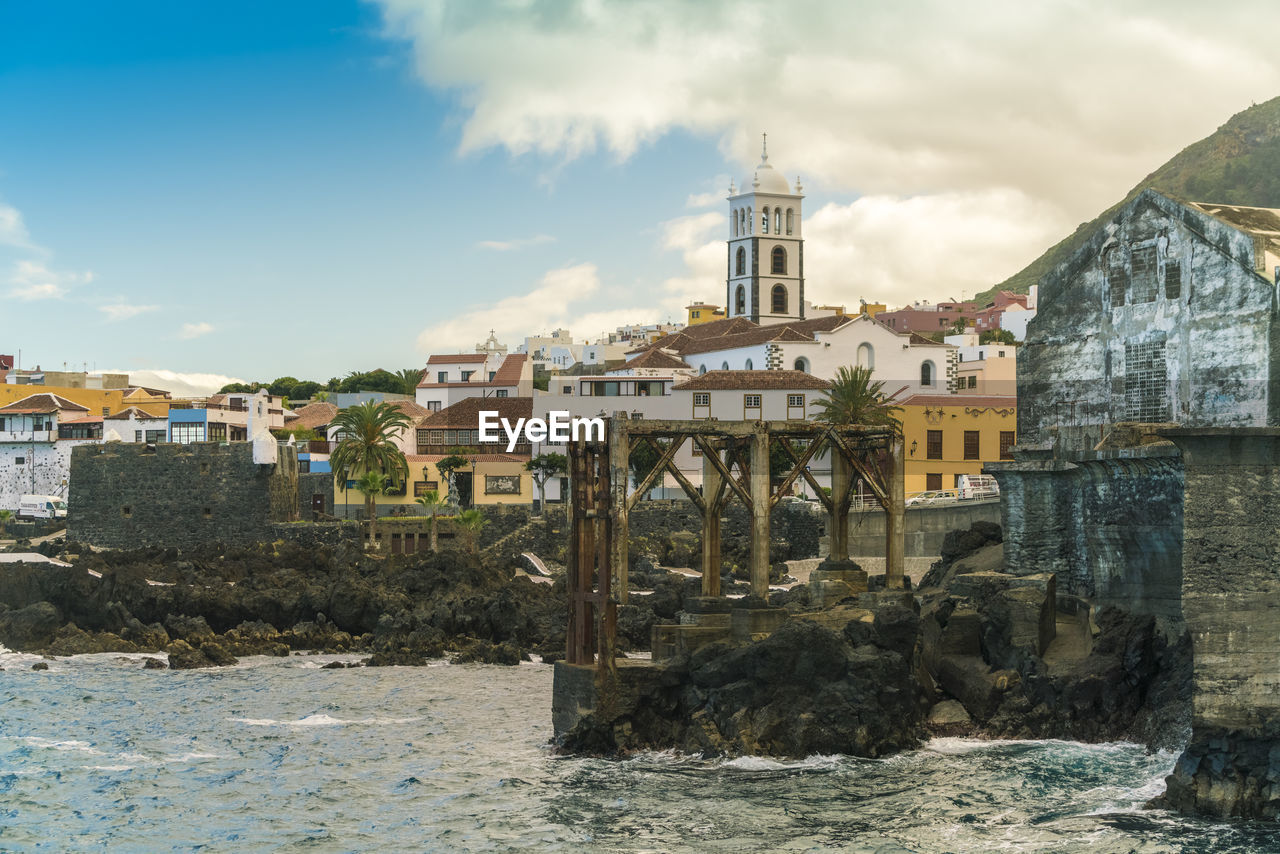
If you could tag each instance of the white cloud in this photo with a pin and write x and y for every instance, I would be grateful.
(195, 330)
(13, 232)
(33, 280)
(557, 301)
(1044, 110)
(124, 311)
(175, 382)
(519, 243)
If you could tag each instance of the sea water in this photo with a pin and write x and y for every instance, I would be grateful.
(98, 754)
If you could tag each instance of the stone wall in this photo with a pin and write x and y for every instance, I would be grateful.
(924, 528)
(1231, 597)
(183, 496)
(314, 483)
(1110, 528)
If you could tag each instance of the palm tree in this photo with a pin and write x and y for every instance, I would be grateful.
(5, 516)
(410, 377)
(365, 432)
(473, 522)
(372, 484)
(854, 399)
(432, 501)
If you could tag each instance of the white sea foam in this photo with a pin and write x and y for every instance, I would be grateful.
(762, 763)
(962, 746)
(37, 741)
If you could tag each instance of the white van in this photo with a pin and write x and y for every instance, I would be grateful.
(41, 507)
(977, 486)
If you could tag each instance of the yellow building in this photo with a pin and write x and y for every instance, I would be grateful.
(946, 436)
(871, 309)
(489, 479)
(701, 312)
(100, 401)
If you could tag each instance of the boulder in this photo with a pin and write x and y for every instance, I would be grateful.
(30, 628)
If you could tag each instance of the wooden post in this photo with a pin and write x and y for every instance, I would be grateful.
(839, 539)
(895, 508)
(759, 491)
(711, 490)
(619, 473)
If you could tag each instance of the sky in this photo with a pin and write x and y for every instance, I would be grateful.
(205, 191)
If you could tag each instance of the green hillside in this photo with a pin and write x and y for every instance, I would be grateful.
(1238, 164)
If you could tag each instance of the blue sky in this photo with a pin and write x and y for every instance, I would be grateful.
(258, 189)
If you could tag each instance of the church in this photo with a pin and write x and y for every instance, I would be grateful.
(766, 248)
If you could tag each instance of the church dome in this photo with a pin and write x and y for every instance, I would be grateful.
(770, 180)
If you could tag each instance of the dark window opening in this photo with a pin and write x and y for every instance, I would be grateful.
(779, 299)
(779, 261)
(933, 445)
(972, 445)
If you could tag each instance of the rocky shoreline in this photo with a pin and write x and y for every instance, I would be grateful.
(274, 599)
(972, 652)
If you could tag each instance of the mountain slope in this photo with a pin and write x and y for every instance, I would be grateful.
(1238, 164)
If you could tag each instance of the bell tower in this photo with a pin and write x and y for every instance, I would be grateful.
(765, 281)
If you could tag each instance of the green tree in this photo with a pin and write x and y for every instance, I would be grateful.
(305, 390)
(958, 326)
(544, 467)
(473, 522)
(239, 388)
(352, 382)
(409, 379)
(854, 399)
(434, 505)
(997, 336)
(5, 516)
(282, 386)
(365, 443)
(372, 484)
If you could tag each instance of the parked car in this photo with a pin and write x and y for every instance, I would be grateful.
(31, 507)
(932, 496)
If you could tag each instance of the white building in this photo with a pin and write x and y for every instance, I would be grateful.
(984, 368)
(36, 437)
(451, 378)
(766, 245)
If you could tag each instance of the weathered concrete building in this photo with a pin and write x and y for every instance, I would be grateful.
(1167, 314)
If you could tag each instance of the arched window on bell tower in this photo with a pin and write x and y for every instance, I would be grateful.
(764, 222)
(779, 299)
(779, 261)
(740, 300)
(740, 262)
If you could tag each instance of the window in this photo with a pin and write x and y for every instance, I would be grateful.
(866, 357)
(933, 481)
(436, 437)
(802, 364)
(748, 366)
(442, 376)
(568, 389)
(973, 381)
(1172, 279)
(1146, 389)
(740, 300)
(154, 436)
(695, 314)
(20, 461)
(185, 434)
(777, 220)
(740, 262)
(724, 366)
(137, 436)
(971, 445)
(1117, 278)
(1008, 438)
(492, 374)
(926, 373)
(789, 218)
(1, 423)
(216, 433)
(433, 406)
(751, 401)
(701, 398)
(502, 392)
(933, 445)
(1144, 274)
(779, 299)
(795, 400)
(466, 376)
(702, 369)
(764, 221)
(779, 261)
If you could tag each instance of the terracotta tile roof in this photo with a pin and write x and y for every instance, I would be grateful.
(508, 372)
(457, 358)
(740, 332)
(751, 380)
(88, 419)
(656, 358)
(1001, 400)
(40, 404)
(312, 416)
(135, 412)
(410, 408)
(480, 458)
(466, 413)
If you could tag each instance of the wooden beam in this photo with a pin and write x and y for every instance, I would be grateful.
(689, 488)
(664, 458)
(712, 453)
(795, 469)
(808, 476)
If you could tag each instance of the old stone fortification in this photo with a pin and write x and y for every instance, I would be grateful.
(1109, 528)
(183, 496)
